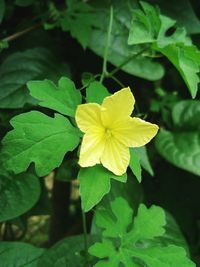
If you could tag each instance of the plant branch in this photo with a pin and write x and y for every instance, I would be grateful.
(19, 34)
(129, 59)
(104, 70)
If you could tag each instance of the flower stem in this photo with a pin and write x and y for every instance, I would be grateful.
(85, 233)
(104, 70)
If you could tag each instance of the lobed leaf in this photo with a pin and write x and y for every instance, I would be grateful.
(40, 139)
(63, 98)
(129, 242)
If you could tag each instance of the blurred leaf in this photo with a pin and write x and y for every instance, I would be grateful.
(129, 242)
(18, 254)
(96, 92)
(67, 252)
(67, 171)
(23, 189)
(78, 20)
(183, 12)
(2, 9)
(19, 68)
(40, 139)
(94, 184)
(181, 147)
(63, 98)
(135, 165)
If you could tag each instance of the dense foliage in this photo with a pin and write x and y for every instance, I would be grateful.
(57, 55)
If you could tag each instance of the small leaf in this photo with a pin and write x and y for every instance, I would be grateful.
(94, 184)
(63, 98)
(40, 139)
(96, 92)
(18, 254)
(141, 153)
(145, 25)
(23, 189)
(135, 165)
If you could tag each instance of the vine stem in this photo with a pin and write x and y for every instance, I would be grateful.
(110, 74)
(85, 232)
(18, 34)
(104, 69)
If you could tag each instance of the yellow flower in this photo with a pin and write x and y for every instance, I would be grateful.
(110, 131)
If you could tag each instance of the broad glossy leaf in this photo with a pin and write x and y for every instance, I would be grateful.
(181, 146)
(96, 92)
(23, 189)
(18, 254)
(181, 149)
(63, 98)
(94, 184)
(130, 242)
(67, 252)
(19, 68)
(40, 139)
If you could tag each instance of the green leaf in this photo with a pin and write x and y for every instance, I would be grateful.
(119, 50)
(94, 184)
(145, 25)
(18, 254)
(2, 9)
(40, 139)
(141, 153)
(96, 93)
(78, 20)
(129, 242)
(183, 12)
(23, 189)
(67, 252)
(135, 165)
(187, 61)
(63, 98)
(181, 146)
(19, 68)
(177, 47)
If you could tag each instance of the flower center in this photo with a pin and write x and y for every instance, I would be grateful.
(108, 133)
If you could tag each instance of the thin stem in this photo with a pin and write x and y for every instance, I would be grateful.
(117, 81)
(85, 232)
(126, 62)
(18, 34)
(104, 69)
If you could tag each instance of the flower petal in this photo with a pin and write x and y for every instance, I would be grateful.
(115, 156)
(92, 147)
(116, 107)
(88, 116)
(135, 132)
